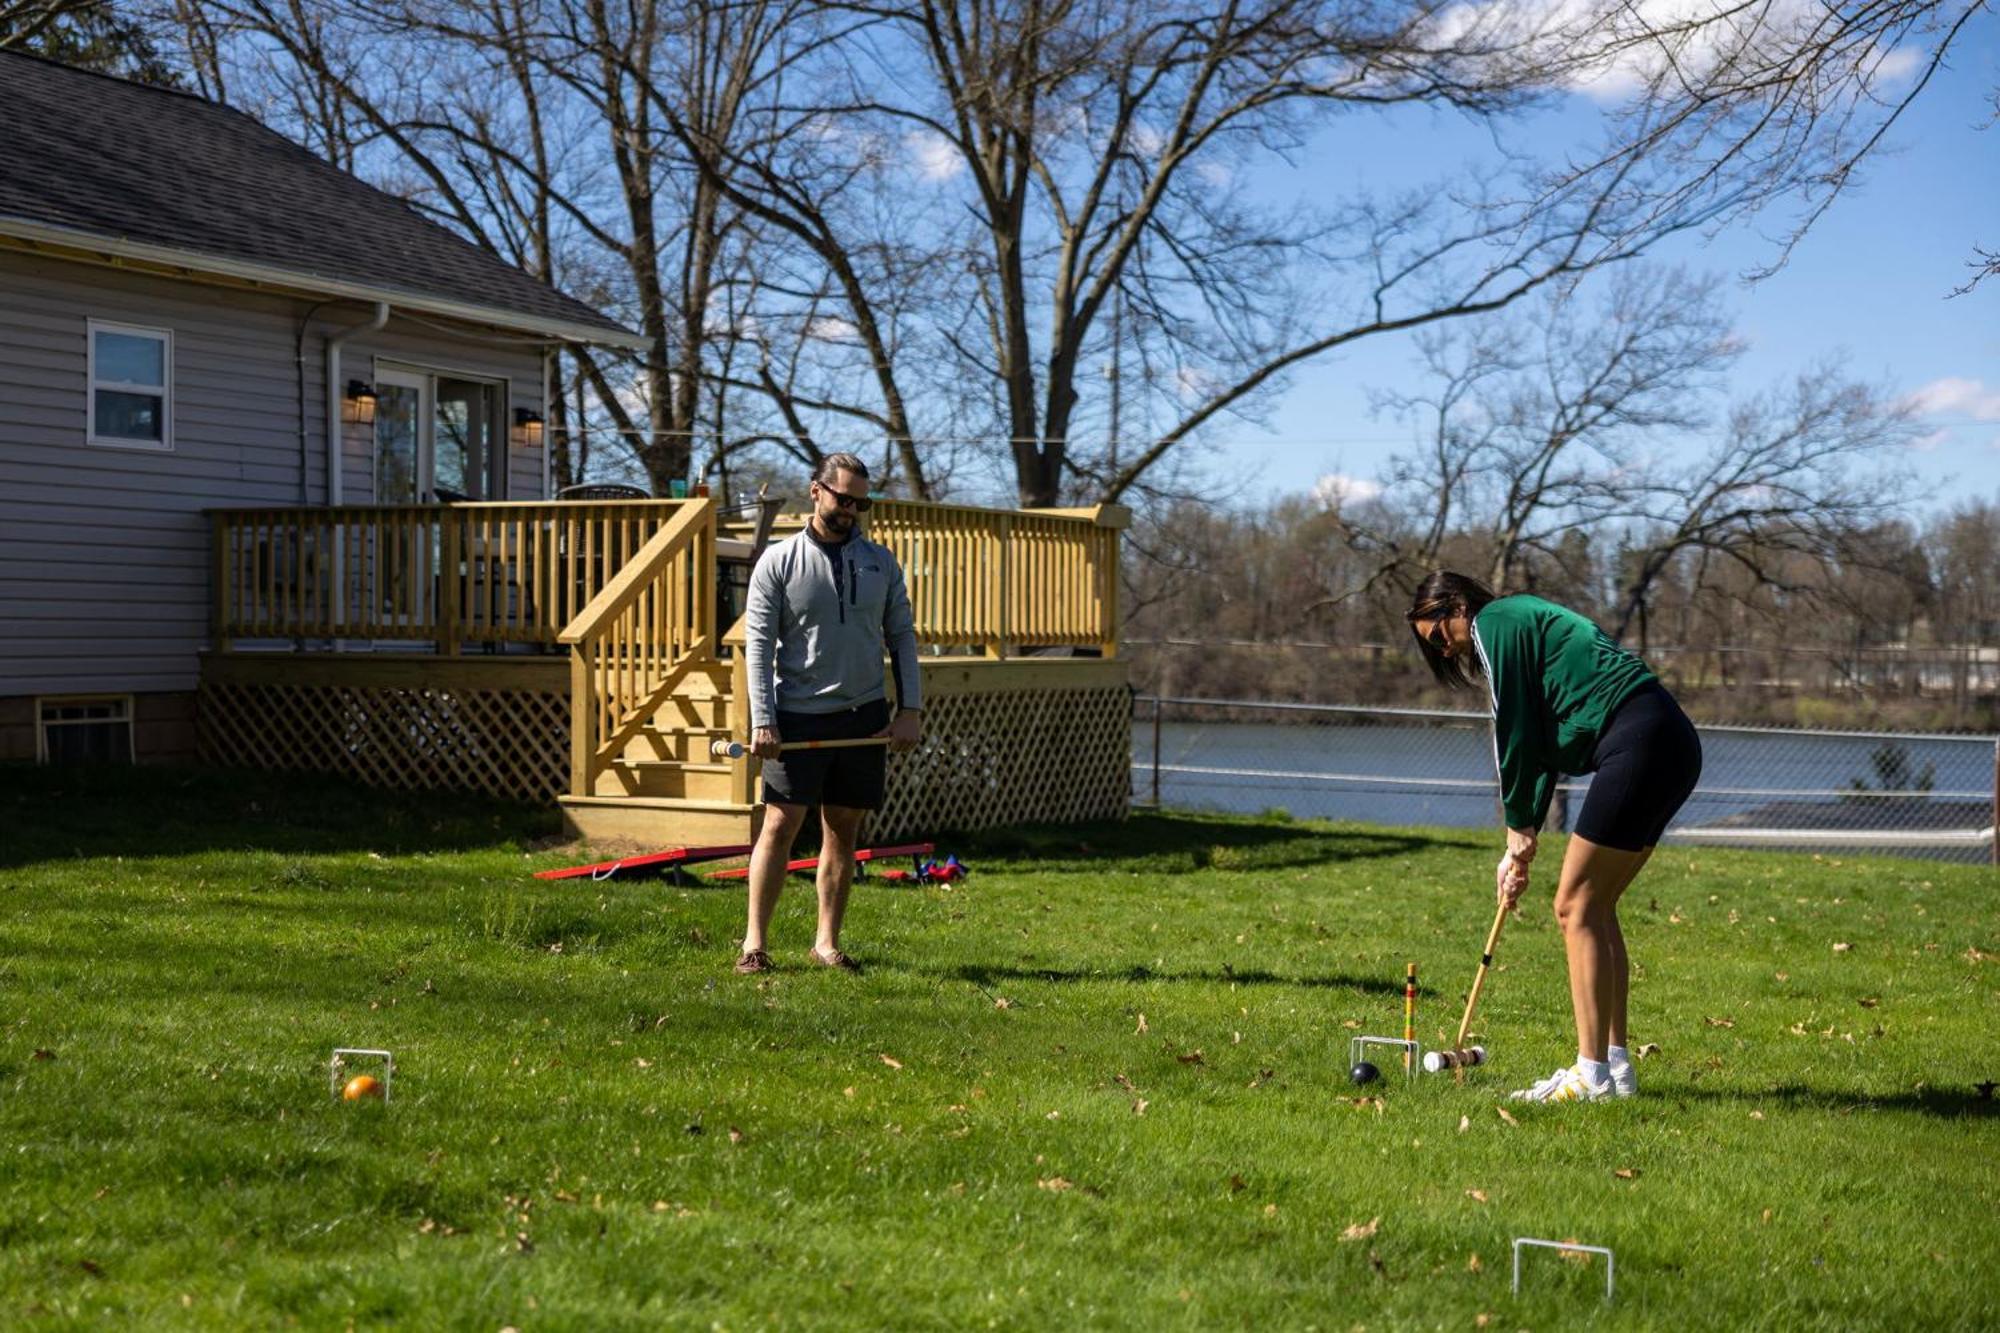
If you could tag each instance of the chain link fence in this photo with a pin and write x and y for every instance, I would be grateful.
(1929, 795)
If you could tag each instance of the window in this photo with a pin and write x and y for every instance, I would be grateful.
(131, 386)
(84, 730)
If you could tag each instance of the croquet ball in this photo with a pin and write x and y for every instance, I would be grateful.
(1364, 1073)
(362, 1085)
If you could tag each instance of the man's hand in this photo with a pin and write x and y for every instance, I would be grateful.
(1521, 845)
(905, 730)
(764, 743)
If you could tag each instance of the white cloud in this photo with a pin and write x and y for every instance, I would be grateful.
(828, 329)
(1956, 396)
(935, 157)
(1611, 54)
(1337, 488)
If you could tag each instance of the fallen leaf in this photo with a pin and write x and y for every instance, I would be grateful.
(1720, 1022)
(1581, 1258)
(891, 1061)
(1139, 1107)
(1842, 947)
(1351, 1023)
(1123, 1082)
(1508, 1118)
(1002, 1002)
(847, 1092)
(1054, 1115)
(91, 1267)
(1464, 1123)
(1270, 1210)
(1054, 1184)
(1756, 1115)
(1870, 1002)
(1767, 1215)
(642, 1062)
(735, 1134)
(1236, 1185)
(1192, 1058)
(1143, 1029)
(42, 1053)
(1649, 1049)
(1362, 1230)
(1625, 1173)
(1477, 1196)
(1473, 1265)
(1784, 976)
(1482, 1319)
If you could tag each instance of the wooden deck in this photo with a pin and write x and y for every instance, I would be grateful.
(571, 651)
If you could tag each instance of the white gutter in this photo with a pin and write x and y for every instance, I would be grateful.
(193, 263)
(335, 388)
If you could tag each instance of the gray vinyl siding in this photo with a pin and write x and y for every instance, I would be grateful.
(104, 559)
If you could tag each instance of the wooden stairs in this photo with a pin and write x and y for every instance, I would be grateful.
(664, 789)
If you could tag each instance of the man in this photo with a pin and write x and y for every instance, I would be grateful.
(823, 605)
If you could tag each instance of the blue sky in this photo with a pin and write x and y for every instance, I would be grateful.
(1869, 284)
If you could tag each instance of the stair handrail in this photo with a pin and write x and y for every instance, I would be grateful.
(649, 626)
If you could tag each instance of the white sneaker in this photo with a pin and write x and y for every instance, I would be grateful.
(1624, 1080)
(1565, 1085)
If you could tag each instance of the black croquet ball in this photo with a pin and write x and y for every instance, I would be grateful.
(1364, 1074)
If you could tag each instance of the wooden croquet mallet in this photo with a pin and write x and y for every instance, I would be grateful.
(1409, 1013)
(737, 749)
(1478, 981)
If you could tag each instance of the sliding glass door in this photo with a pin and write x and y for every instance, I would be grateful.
(437, 438)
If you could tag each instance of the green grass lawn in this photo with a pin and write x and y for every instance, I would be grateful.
(1101, 1083)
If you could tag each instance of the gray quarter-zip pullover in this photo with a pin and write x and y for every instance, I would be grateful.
(818, 620)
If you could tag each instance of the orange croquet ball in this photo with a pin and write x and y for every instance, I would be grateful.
(362, 1085)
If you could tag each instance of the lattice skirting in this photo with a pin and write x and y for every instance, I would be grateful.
(510, 743)
(1025, 756)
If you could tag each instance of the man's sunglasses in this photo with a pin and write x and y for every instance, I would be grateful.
(860, 504)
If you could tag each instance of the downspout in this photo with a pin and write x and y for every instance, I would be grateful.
(334, 387)
(305, 441)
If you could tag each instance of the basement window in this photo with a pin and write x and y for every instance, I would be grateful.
(94, 730)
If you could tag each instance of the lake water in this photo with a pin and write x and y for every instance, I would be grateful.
(1398, 773)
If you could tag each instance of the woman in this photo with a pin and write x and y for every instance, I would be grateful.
(1566, 699)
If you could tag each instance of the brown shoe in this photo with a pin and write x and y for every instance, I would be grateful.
(753, 961)
(835, 959)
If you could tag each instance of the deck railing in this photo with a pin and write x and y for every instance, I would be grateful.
(638, 638)
(446, 574)
(999, 579)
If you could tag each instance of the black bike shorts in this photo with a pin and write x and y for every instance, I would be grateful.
(855, 778)
(1647, 761)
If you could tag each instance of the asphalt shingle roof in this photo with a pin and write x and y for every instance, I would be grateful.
(100, 155)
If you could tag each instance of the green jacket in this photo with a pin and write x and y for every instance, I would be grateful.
(1555, 678)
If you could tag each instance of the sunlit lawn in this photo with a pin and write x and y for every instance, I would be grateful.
(1100, 1083)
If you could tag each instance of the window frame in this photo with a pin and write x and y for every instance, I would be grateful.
(126, 715)
(165, 389)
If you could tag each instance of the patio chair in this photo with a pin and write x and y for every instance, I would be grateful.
(603, 490)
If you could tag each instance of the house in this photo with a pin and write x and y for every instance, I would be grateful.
(192, 307)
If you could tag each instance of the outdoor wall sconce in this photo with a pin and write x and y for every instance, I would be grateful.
(360, 403)
(527, 428)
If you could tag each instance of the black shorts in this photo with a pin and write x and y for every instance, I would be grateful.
(1647, 760)
(853, 777)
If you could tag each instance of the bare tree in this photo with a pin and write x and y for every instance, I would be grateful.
(1795, 479)
(1096, 148)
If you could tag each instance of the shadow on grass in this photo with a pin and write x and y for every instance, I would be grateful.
(1169, 842)
(57, 813)
(1948, 1104)
(983, 976)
